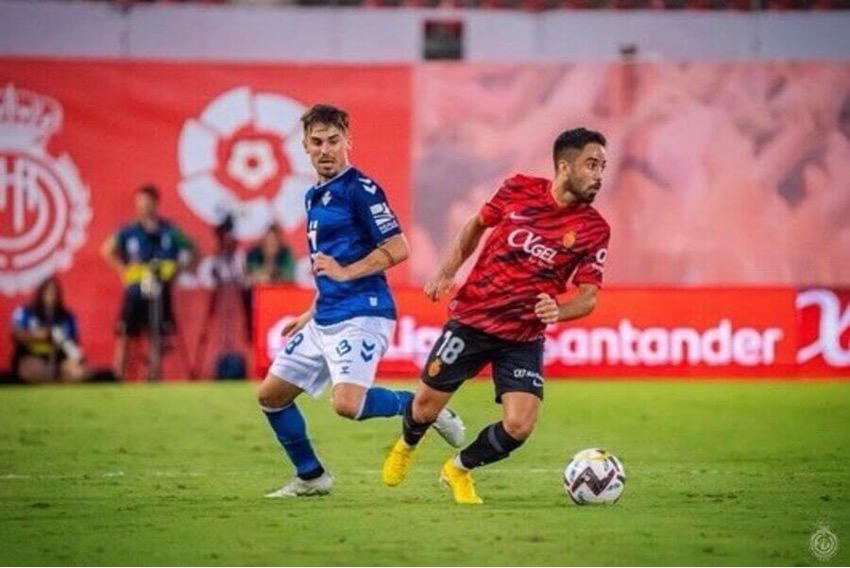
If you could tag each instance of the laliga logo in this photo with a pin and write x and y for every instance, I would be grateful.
(530, 243)
(44, 206)
(244, 155)
(833, 324)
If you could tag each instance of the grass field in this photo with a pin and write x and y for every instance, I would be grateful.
(719, 473)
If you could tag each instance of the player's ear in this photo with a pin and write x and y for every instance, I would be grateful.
(563, 167)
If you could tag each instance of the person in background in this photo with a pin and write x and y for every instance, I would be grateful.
(148, 254)
(46, 341)
(268, 262)
(271, 260)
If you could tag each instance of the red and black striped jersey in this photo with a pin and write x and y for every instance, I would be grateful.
(536, 246)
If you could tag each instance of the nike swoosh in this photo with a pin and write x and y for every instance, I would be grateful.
(514, 217)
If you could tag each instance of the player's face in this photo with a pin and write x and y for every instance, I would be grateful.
(50, 296)
(327, 147)
(145, 206)
(585, 173)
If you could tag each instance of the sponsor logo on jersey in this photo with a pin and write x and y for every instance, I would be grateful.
(513, 216)
(44, 205)
(599, 259)
(532, 244)
(384, 218)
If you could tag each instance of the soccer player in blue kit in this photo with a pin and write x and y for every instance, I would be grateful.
(354, 237)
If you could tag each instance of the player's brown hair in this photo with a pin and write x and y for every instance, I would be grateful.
(575, 139)
(325, 114)
(150, 190)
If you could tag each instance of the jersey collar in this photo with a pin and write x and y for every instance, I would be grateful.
(341, 173)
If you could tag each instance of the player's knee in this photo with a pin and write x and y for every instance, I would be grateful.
(424, 410)
(519, 427)
(270, 397)
(346, 407)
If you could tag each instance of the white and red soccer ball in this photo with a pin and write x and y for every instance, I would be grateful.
(594, 476)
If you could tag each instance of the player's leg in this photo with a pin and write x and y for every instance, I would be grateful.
(299, 367)
(31, 369)
(353, 349)
(130, 322)
(460, 353)
(71, 371)
(496, 441)
(519, 388)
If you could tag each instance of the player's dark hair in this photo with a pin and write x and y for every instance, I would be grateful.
(325, 114)
(150, 190)
(575, 139)
(39, 306)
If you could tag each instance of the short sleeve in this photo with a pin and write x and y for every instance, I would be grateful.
(19, 318)
(373, 211)
(494, 208)
(592, 266)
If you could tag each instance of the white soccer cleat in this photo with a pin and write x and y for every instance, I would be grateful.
(298, 487)
(450, 427)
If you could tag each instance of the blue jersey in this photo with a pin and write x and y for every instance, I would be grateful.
(24, 318)
(347, 218)
(138, 248)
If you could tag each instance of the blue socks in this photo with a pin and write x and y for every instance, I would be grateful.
(291, 431)
(384, 402)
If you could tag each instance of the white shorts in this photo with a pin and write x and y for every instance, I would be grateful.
(345, 352)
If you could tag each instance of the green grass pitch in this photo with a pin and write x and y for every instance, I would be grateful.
(719, 473)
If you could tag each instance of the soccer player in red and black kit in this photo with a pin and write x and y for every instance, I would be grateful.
(544, 233)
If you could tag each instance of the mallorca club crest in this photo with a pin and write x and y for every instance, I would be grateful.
(243, 155)
(44, 206)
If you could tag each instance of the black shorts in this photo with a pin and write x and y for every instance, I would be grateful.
(135, 313)
(461, 352)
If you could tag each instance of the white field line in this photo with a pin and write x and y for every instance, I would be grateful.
(176, 473)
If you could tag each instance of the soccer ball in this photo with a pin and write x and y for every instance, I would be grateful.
(594, 476)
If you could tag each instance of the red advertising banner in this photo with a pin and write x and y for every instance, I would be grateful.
(77, 137)
(715, 332)
(824, 333)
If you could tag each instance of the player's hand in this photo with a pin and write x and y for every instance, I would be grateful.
(437, 288)
(295, 325)
(546, 309)
(324, 265)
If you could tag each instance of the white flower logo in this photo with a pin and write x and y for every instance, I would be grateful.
(243, 155)
(252, 163)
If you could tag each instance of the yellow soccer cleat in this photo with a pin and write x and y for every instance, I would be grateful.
(460, 482)
(397, 465)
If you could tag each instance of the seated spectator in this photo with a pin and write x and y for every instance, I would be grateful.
(46, 342)
(271, 260)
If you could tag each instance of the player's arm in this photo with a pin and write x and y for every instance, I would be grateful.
(463, 247)
(22, 333)
(294, 326)
(387, 254)
(579, 305)
(109, 252)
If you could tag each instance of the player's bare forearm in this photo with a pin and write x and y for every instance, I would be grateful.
(389, 253)
(25, 336)
(580, 304)
(108, 252)
(294, 326)
(465, 244)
